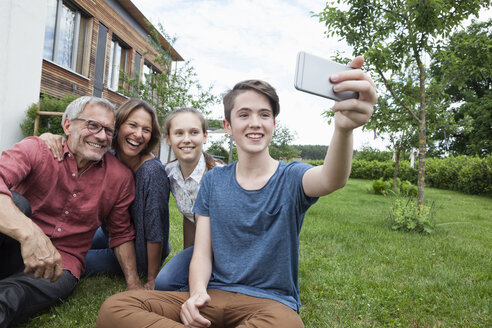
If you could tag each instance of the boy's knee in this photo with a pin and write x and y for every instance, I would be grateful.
(109, 308)
(277, 315)
(117, 306)
(288, 318)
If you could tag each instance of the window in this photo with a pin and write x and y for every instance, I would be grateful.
(65, 34)
(117, 62)
(149, 73)
(149, 79)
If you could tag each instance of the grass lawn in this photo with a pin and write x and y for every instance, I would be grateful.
(356, 272)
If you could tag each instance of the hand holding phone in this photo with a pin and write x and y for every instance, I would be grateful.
(313, 76)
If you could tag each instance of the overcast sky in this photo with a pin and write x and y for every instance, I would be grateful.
(234, 40)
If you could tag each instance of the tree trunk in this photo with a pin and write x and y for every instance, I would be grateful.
(422, 139)
(397, 168)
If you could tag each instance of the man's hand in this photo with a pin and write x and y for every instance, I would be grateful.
(40, 256)
(133, 284)
(125, 253)
(149, 285)
(190, 314)
(352, 113)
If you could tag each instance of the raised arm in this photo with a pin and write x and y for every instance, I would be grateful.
(200, 272)
(349, 115)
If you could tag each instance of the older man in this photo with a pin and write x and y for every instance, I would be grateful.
(42, 256)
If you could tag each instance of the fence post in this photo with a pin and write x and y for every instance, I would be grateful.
(36, 120)
(39, 113)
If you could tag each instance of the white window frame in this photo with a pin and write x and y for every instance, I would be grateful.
(115, 65)
(58, 35)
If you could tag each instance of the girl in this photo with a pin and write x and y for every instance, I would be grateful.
(186, 133)
(137, 133)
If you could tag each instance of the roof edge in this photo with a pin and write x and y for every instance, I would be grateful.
(142, 20)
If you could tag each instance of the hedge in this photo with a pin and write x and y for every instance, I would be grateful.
(468, 174)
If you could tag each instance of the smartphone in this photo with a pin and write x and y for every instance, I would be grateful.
(313, 76)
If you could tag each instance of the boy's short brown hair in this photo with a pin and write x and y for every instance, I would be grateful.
(259, 86)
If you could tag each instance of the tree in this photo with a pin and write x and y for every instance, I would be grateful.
(214, 124)
(368, 153)
(388, 120)
(395, 36)
(463, 68)
(280, 147)
(170, 88)
(312, 152)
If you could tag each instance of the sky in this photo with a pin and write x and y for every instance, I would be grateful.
(228, 41)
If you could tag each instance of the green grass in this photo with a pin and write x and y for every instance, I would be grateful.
(356, 272)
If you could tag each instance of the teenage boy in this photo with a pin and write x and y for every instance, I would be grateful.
(42, 252)
(244, 270)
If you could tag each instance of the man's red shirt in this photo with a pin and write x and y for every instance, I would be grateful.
(67, 206)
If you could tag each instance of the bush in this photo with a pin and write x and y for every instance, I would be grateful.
(370, 170)
(468, 174)
(381, 187)
(405, 188)
(316, 162)
(408, 189)
(372, 154)
(405, 215)
(46, 123)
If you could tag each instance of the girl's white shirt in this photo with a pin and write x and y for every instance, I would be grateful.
(185, 191)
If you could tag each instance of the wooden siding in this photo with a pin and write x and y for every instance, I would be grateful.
(57, 81)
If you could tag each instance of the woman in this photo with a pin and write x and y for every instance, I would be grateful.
(137, 134)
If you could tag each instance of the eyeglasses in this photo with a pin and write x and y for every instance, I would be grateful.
(95, 127)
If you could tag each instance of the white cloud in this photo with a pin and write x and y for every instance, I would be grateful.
(230, 41)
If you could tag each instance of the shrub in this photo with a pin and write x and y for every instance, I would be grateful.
(405, 188)
(405, 215)
(373, 154)
(468, 174)
(46, 123)
(408, 189)
(370, 170)
(316, 162)
(381, 187)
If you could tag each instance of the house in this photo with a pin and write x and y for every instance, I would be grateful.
(59, 47)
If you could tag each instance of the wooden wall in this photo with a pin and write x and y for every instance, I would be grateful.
(57, 81)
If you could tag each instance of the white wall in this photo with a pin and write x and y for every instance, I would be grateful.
(21, 42)
(166, 153)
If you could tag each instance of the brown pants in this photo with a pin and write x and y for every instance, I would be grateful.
(161, 309)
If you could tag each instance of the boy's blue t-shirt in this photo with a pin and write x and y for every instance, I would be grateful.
(255, 233)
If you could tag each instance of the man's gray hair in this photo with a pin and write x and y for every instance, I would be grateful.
(77, 106)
